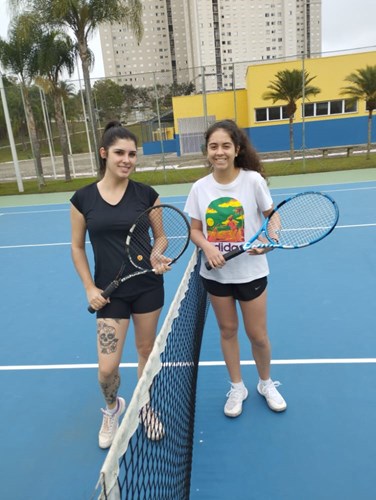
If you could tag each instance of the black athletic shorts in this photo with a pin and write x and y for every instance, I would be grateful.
(239, 291)
(145, 302)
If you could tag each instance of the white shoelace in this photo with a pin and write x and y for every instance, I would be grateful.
(235, 396)
(108, 421)
(270, 390)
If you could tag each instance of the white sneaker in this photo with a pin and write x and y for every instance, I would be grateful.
(273, 398)
(234, 403)
(110, 424)
(152, 423)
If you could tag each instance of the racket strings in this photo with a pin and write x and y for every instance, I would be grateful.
(139, 250)
(163, 232)
(303, 220)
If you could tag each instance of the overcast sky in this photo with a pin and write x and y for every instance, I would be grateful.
(346, 24)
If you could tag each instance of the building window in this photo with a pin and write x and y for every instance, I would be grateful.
(261, 115)
(351, 106)
(270, 114)
(322, 108)
(336, 107)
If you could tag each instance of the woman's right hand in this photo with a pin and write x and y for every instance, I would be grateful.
(95, 299)
(214, 257)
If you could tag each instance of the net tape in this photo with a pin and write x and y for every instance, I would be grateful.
(151, 455)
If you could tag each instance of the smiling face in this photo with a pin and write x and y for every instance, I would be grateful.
(120, 158)
(221, 150)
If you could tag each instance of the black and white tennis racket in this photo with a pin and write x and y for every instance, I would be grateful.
(161, 232)
(298, 221)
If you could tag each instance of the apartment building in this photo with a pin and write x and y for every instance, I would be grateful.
(210, 42)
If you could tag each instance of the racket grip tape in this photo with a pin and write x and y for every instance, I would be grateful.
(227, 256)
(106, 293)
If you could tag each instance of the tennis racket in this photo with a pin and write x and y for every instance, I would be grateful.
(160, 232)
(298, 221)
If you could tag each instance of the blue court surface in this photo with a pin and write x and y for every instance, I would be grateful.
(322, 307)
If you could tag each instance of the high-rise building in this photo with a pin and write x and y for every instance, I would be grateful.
(186, 39)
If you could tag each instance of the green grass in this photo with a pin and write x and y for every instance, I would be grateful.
(317, 165)
(78, 139)
(179, 176)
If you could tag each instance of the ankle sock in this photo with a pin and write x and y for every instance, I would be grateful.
(111, 411)
(238, 385)
(265, 382)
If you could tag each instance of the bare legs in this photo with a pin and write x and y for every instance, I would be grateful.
(254, 318)
(111, 334)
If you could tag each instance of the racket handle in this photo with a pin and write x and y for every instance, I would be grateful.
(227, 256)
(106, 293)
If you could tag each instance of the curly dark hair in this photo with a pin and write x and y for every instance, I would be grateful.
(247, 157)
(113, 131)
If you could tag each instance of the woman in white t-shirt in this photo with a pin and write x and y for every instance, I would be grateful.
(226, 208)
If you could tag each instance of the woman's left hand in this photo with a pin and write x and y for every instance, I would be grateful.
(260, 251)
(160, 264)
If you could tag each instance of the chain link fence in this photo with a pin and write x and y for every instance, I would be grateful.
(143, 103)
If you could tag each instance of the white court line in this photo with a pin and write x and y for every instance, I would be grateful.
(31, 212)
(343, 190)
(351, 226)
(5, 247)
(323, 361)
(317, 187)
(48, 211)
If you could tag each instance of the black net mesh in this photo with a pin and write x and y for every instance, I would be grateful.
(156, 463)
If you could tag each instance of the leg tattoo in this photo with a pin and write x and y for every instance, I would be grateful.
(107, 340)
(110, 389)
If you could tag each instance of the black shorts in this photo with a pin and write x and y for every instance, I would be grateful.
(145, 302)
(239, 291)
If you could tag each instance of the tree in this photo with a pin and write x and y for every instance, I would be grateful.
(109, 98)
(176, 89)
(136, 97)
(56, 54)
(82, 18)
(18, 55)
(290, 86)
(363, 86)
(16, 110)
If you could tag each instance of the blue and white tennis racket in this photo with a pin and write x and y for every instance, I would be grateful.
(298, 221)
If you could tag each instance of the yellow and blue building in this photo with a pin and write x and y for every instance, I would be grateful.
(330, 118)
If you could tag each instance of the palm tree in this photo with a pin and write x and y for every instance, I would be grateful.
(18, 56)
(56, 54)
(82, 18)
(290, 86)
(363, 86)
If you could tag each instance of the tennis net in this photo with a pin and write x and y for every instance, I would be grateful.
(151, 455)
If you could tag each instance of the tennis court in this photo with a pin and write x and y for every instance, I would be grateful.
(321, 325)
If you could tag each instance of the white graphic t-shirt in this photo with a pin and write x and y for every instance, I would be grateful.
(230, 215)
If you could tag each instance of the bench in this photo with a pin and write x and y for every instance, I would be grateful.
(349, 150)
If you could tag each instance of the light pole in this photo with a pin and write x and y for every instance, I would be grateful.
(48, 130)
(10, 135)
(86, 120)
(303, 82)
